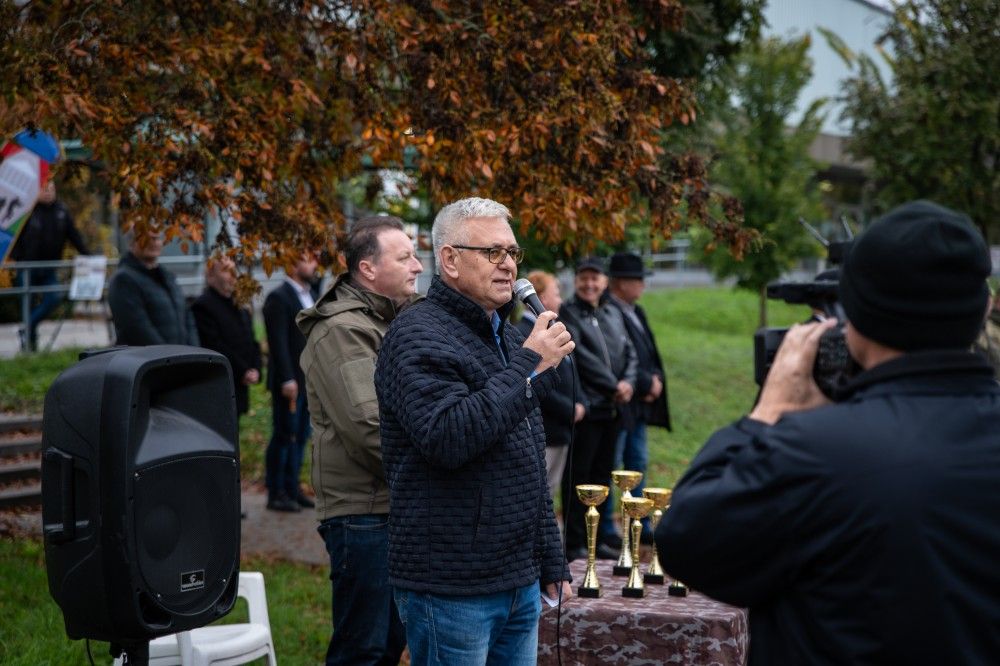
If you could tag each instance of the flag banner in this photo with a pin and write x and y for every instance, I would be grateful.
(24, 170)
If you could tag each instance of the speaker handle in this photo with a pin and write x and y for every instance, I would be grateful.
(60, 469)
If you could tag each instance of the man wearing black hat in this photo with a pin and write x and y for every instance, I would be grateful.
(649, 402)
(865, 531)
(606, 363)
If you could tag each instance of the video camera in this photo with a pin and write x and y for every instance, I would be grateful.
(834, 365)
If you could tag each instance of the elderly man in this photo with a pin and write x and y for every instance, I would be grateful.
(649, 402)
(147, 305)
(227, 328)
(344, 332)
(866, 531)
(473, 541)
(607, 364)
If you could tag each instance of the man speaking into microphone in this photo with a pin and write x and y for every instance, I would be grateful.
(473, 541)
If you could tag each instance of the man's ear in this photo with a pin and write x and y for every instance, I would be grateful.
(449, 261)
(366, 270)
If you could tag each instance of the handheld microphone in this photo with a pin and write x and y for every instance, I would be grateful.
(525, 292)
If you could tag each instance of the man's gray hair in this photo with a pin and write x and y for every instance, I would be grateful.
(448, 228)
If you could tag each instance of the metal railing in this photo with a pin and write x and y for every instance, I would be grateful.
(26, 290)
(673, 257)
(189, 271)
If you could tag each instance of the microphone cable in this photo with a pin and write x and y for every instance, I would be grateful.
(524, 291)
(566, 500)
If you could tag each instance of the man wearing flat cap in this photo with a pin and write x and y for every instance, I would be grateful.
(865, 531)
(606, 362)
(648, 406)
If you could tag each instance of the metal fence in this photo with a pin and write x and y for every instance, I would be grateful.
(190, 280)
(190, 274)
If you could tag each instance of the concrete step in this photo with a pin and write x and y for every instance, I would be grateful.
(20, 422)
(19, 471)
(20, 446)
(25, 497)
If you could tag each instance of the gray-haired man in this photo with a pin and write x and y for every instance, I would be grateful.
(472, 536)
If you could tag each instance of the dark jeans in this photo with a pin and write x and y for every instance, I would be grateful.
(40, 277)
(366, 625)
(593, 455)
(289, 433)
(632, 453)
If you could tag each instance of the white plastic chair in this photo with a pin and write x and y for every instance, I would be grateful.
(222, 644)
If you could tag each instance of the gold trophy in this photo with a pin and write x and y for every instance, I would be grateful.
(636, 508)
(661, 500)
(626, 481)
(591, 496)
(676, 588)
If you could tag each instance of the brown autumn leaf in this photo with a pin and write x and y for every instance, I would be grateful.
(231, 102)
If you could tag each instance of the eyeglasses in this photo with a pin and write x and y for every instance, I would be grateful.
(496, 255)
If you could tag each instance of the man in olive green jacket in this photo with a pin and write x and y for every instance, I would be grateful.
(344, 332)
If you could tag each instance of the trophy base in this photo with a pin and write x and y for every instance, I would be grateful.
(634, 592)
(622, 571)
(588, 592)
(676, 590)
(654, 579)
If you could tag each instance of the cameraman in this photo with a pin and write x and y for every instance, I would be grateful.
(865, 531)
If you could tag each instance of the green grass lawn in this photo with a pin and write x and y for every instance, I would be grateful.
(32, 632)
(706, 339)
(705, 336)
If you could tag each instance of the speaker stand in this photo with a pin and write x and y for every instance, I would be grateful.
(132, 654)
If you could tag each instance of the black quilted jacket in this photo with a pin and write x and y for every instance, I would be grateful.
(464, 452)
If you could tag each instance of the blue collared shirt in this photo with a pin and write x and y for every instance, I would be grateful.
(496, 324)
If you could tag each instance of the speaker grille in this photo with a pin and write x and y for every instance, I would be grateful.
(187, 530)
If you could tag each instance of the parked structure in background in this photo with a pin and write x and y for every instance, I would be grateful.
(858, 23)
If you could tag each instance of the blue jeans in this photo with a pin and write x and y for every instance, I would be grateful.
(631, 452)
(499, 628)
(40, 277)
(289, 433)
(366, 626)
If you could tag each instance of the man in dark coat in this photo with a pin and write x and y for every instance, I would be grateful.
(286, 381)
(147, 304)
(606, 362)
(866, 531)
(227, 328)
(649, 402)
(473, 541)
(43, 238)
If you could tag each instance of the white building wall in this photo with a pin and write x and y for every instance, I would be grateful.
(857, 22)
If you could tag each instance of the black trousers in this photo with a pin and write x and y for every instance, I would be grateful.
(592, 457)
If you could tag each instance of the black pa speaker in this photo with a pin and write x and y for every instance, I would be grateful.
(141, 492)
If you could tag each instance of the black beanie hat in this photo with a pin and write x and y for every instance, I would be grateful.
(916, 279)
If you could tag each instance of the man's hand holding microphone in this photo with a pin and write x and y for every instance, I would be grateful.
(549, 338)
(552, 343)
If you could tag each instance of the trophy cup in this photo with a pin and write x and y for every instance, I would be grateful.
(661, 500)
(676, 588)
(591, 496)
(626, 481)
(636, 508)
